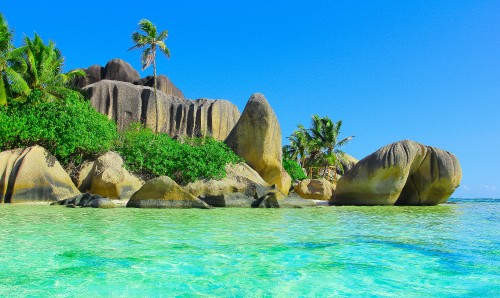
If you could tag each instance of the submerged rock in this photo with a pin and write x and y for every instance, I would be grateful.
(163, 192)
(401, 173)
(256, 137)
(33, 174)
(87, 200)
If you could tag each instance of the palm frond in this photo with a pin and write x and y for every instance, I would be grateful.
(148, 27)
(163, 48)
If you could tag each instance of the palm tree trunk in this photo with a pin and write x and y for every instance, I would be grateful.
(156, 96)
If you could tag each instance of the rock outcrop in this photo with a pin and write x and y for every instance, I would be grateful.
(127, 103)
(256, 137)
(402, 173)
(316, 189)
(240, 188)
(33, 174)
(162, 83)
(108, 177)
(163, 192)
(120, 70)
(87, 200)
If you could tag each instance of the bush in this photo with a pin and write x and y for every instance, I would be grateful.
(293, 169)
(71, 130)
(149, 155)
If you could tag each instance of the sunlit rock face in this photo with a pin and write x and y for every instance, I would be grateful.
(126, 103)
(256, 137)
(401, 173)
(33, 174)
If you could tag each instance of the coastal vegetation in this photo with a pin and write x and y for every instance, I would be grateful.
(318, 146)
(150, 155)
(38, 107)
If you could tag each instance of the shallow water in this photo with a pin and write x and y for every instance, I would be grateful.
(447, 250)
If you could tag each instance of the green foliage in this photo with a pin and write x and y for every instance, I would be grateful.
(318, 145)
(293, 169)
(148, 155)
(72, 130)
(40, 66)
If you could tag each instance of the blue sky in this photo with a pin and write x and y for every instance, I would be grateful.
(428, 71)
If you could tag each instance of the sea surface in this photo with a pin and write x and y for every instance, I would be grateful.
(450, 250)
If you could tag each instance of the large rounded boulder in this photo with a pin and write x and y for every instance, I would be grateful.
(162, 83)
(256, 137)
(315, 189)
(33, 174)
(108, 177)
(163, 192)
(119, 70)
(401, 173)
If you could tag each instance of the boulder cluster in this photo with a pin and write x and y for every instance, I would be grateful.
(402, 173)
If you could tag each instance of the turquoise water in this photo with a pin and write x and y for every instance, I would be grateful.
(448, 250)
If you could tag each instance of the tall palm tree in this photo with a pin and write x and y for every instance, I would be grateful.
(10, 80)
(40, 66)
(324, 133)
(149, 42)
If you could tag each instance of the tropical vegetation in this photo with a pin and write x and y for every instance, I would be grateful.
(33, 67)
(149, 41)
(150, 155)
(318, 146)
(71, 130)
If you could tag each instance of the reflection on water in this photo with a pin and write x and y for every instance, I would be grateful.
(450, 250)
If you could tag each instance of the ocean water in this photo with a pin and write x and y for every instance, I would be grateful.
(444, 251)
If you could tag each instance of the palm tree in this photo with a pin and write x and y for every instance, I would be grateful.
(149, 42)
(10, 80)
(298, 145)
(324, 134)
(40, 66)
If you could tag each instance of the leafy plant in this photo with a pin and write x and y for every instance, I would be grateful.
(319, 145)
(293, 169)
(149, 155)
(71, 130)
(40, 66)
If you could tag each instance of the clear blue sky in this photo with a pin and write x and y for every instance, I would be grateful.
(428, 71)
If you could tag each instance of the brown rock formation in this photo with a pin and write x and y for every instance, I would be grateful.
(256, 137)
(401, 173)
(33, 174)
(120, 70)
(316, 189)
(108, 177)
(162, 83)
(126, 103)
(163, 192)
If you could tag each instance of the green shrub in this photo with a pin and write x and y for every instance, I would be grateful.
(293, 169)
(149, 155)
(71, 130)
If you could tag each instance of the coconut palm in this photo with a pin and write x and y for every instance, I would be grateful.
(298, 145)
(324, 135)
(10, 80)
(40, 66)
(149, 42)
